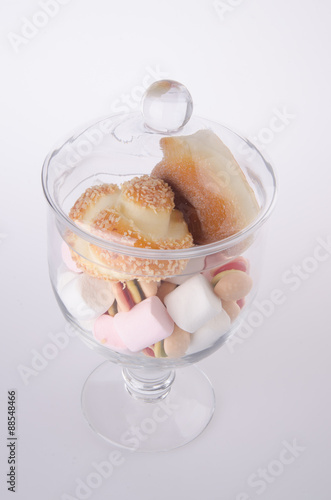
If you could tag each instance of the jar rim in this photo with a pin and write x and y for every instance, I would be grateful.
(169, 254)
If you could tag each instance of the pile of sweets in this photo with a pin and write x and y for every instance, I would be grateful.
(195, 196)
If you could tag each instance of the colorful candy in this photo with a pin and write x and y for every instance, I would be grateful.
(239, 263)
(123, 297)
(231, 308)
(177, 344)
(159, 319)
(131, 292)
(232, 285)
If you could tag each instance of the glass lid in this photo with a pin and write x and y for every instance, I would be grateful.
(163, 170)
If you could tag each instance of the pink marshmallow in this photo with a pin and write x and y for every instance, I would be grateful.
(104, 332)
(67, 259)
(145, 324)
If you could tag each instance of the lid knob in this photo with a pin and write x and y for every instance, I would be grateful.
(166, 106)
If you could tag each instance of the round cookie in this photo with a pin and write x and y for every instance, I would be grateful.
(141, 214)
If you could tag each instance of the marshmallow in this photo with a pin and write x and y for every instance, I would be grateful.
(87, 325)
(213, 260)
(67, 258)
(63, 278)
(179, 280)
(87, 298)
(239, 263)
(209, 333)
(193, 303)
(193, 267)
(144, 325)
(104, 332)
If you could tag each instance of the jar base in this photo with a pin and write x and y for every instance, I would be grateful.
(135, 425)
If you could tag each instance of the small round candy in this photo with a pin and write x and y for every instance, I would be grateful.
(167, 106)
(231, 308)
(176, 345)
(233, 285)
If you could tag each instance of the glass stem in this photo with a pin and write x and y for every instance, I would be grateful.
(147, 385)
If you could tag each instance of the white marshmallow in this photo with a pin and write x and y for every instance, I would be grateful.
(63, 277)
(179, 280)
(209, 333)
(193, 267)
(86, 298)
(193, 303)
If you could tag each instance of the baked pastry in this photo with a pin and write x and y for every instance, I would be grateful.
(210, 188)
(139, 214)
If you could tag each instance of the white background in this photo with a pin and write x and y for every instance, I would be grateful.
(240, 65)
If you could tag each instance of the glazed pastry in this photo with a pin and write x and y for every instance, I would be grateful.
(141, 214)
(210, 187)
(93, 201)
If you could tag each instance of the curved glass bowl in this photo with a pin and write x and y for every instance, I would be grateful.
(113, 150)
(117, 157)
